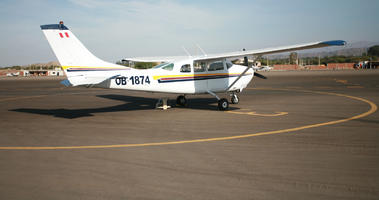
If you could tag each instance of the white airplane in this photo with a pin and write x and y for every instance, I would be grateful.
(13, 74)
(263, 68)
(206, 74)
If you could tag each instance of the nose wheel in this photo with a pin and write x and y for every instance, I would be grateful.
(234, 99)
(223, 104)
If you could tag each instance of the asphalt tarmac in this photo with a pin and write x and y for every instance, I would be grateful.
(296, 135)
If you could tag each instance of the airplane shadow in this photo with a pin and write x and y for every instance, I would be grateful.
(131, 103)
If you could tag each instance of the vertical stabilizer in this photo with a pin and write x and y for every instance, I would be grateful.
(73, 56)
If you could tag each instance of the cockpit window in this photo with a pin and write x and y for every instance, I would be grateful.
(185, 68)
(166, 66)
(218, 65)
(169, 67)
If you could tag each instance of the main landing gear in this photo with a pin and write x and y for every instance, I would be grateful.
(162, 103)
(181, 100)
(223, 103)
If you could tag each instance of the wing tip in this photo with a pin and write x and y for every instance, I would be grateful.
(334, 43)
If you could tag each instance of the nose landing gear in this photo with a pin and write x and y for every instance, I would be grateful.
(223, 103)
(234, 99)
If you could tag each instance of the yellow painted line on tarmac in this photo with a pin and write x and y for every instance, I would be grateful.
(323, 87)
(372, 109)
(258, 114)
(22, 97)
(341, 81)
(355, 86)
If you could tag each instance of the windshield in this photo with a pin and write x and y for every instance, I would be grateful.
(229, 64)
(164, 65)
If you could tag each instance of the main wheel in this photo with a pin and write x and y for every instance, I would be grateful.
(181, 100)
(223, 104)
(235, 99)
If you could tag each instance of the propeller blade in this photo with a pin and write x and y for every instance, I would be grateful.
(245, 61)
(259, 75)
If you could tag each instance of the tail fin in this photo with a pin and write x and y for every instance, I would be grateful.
(74, 58)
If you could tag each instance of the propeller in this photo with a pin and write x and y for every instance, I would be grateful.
(259, 75)
(245, 60)
(246, 63)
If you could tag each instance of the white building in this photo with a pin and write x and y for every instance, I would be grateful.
(56, 72)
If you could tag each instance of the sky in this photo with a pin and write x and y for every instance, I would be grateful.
(113, 30)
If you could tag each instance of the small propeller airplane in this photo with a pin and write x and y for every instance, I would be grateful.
(183, 75)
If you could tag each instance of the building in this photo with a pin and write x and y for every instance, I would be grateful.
(38, 72)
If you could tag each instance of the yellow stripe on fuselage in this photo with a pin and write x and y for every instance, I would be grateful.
(192, 75)
(82, 67)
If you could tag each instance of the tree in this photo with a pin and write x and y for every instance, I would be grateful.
(293, 58)
(16, 67)
(373, 51)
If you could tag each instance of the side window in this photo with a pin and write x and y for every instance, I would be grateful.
(169, 67)
(229, 64)
(199, 66)
(185, 68)
(218, 65)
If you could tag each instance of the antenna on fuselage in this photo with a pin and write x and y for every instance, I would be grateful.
(202, 51)
(185, 50)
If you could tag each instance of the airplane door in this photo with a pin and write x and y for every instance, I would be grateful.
(200, 77)
(218, 80)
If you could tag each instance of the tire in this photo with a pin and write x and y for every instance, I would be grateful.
(181, 100)
(235, 99)
(223, 104)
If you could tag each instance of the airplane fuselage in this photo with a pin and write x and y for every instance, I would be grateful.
(177, 80)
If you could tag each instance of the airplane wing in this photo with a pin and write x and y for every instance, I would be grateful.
(239, 54)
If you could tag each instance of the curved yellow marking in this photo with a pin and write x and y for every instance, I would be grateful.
(372, 109)
(341, 81)
(24, 97)
(40, 96)
(258, 114)
(354, 86)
